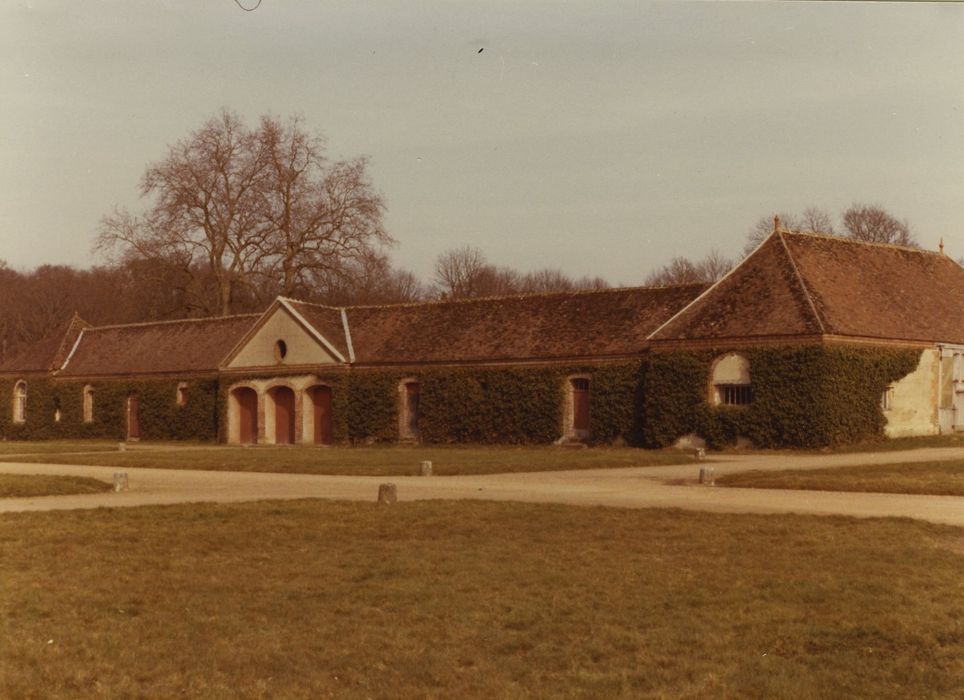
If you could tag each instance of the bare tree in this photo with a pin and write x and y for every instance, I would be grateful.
(465, 273)
(764, 227)
(874, 224)
(239, 211)
(319, 216)
(815, 220)
(681, 270)
(459, 273)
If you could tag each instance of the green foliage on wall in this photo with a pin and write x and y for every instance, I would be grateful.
(371, 406)
(509, 405)
(803, 396)
(161, 418)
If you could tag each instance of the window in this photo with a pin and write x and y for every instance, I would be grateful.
(88, 404)
(887, 399)
(734, 394)
(20, 402)
(182, 394)
(280, 350)
(730, 382)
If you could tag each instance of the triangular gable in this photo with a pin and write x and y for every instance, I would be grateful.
(282, 336)
(762, 297)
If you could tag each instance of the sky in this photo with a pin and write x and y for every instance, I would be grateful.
(600, 138)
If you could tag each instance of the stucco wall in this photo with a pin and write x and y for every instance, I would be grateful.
(303, 348)
(914, 400)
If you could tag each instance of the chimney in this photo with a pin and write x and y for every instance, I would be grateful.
(941, 246)
(776, 224)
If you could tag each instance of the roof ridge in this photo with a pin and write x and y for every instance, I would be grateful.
(857, 241)
(803, 285)
(499, 297)
(141, 324)
(709, 288)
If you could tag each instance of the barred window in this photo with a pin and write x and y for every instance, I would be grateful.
(735, 394)
(887, 399)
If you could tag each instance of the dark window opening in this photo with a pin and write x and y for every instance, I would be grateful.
(735, 394)
(280, 350)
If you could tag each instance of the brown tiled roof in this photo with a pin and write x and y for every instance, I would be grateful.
(166, 346)
(47, 354)
(540, 326)
(326, 320)
(811, 284)
(763, 296)
(881, 291)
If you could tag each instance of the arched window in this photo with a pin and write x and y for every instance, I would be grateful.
(730, 384)
(88, 404)
(20, 402)
(182, 394)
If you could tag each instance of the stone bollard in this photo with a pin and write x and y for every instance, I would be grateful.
(122, 447)
(426, 469)
(387, 493)
(120, 481)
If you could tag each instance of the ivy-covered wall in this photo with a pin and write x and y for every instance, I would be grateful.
(161, 418)
(803, 396)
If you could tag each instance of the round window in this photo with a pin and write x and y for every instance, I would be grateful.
(280, 350)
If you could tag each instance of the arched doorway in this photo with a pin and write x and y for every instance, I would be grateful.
(320, 397)
(284, 415)
(246, 400)
(408, 415)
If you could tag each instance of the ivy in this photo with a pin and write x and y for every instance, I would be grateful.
(803, 396)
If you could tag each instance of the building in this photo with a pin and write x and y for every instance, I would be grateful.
(811, 339)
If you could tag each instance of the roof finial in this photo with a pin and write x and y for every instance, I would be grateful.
(941, 246)
(776, 223)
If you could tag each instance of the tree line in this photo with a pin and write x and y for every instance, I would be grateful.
(235, 215)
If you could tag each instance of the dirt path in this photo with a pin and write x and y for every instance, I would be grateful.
(632, 488)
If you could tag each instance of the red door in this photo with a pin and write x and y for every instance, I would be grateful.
(580, 404)
(248, 416)
(284, 415)
(321, 401)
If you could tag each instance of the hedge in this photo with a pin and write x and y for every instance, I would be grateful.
(803, 396)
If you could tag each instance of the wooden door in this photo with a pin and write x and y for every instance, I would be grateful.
(133, 418)
(411, 409)
(247, 416)
(284, 415)
(321, 403)
(580, 404)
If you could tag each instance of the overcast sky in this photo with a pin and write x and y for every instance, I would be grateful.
(601, 138)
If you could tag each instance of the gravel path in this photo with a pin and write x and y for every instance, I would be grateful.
(642, 487)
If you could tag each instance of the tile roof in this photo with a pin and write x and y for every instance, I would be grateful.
(165, 346)
(538, 326)
(813, 284)
(881, 291)
(50, 352)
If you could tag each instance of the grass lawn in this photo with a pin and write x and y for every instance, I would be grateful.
(904, 443)
(440, 599)
(934, 478)
(375, 461)
(19, 447)
(24, 485)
